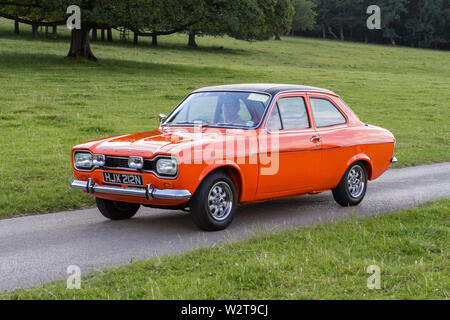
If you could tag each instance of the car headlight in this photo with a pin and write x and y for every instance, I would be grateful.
(83, 160)
(98, 160)
(167, 167)
(136, 163)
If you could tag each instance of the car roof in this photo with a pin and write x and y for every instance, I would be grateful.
(269, 88)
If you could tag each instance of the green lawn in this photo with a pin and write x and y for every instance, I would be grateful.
(49, 103)
(411, 248)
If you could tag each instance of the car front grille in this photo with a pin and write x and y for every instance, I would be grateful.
(113, 162)
(122, 163)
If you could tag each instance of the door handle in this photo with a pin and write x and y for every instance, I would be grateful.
(318, 139)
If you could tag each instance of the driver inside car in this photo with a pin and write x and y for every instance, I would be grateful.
(231, 113)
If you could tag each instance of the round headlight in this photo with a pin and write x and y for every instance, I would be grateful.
(98, 160)
(167, 167)
(135, 163)
(82, 160)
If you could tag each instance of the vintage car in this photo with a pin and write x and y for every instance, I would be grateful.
(232, 144)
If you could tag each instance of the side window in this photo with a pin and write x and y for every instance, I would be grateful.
(274, 122)
(325, 113)
(293, 113)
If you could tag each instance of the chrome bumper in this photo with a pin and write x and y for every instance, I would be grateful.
(148, 192)
(394, 160)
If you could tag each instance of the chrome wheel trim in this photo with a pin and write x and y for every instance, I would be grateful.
(220, 201)
(356, 181)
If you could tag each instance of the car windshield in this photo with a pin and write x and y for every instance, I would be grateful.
(227, 109)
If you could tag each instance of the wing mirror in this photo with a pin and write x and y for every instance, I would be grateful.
(162, 118)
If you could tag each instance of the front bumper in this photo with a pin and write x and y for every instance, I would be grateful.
(148, 192)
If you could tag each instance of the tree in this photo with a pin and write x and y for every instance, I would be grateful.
(326, 10)
(305, 16)
(244, 19)
(159, 16)
(392, 11)
(281, 20)
(426, 22)
(32, 12)
(239, 19)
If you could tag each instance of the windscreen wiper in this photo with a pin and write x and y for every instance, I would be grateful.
(223, 124)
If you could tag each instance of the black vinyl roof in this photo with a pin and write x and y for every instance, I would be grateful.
(269, 88)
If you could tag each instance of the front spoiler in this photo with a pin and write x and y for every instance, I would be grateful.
(148, 192)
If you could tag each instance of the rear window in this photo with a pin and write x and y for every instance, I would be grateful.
(325, 113)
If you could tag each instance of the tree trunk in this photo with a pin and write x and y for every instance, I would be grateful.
(341, 30)
(135, 38)
(154, 40)
(54, 32)
(16, 27)
(332, 33)
(324, 35)
(192, 42)
(34, 29)
(109, 33)
(277, 36)
(94, 34)
(103, 35)
(79, 44)
(46, 31)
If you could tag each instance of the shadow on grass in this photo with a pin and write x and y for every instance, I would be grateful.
(20, 61)
(145, 44)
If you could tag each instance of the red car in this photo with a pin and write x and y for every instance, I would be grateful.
(233, 144)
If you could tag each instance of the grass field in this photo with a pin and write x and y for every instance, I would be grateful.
(49, 103)
(411, 248)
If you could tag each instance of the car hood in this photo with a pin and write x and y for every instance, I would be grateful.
(162, 140)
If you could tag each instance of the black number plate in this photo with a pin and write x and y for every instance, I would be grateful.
(122, 178)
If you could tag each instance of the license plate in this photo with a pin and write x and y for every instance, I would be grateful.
(123, 178)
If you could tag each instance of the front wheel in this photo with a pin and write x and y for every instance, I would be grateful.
(214, 203)
(352, 187)
(116, 210)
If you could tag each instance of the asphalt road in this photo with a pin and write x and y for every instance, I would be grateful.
(38, 249)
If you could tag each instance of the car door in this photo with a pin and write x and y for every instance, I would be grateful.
(332, 127)
(298, 152)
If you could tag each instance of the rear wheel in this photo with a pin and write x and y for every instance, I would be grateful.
(214, 203)
(352, 187)
(116, 210)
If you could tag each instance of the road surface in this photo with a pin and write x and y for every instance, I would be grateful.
(38, 249)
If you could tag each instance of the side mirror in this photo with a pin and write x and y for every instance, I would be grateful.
(162, 118)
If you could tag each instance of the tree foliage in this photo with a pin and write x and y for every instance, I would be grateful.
(245, 20)
(304, 15)
(240, 19)
(418, 23)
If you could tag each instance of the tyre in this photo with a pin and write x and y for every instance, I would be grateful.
(116, 210)
(214, 203)
(352, 187)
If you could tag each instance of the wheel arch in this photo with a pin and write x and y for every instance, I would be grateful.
(230, 169)
(364, 159)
